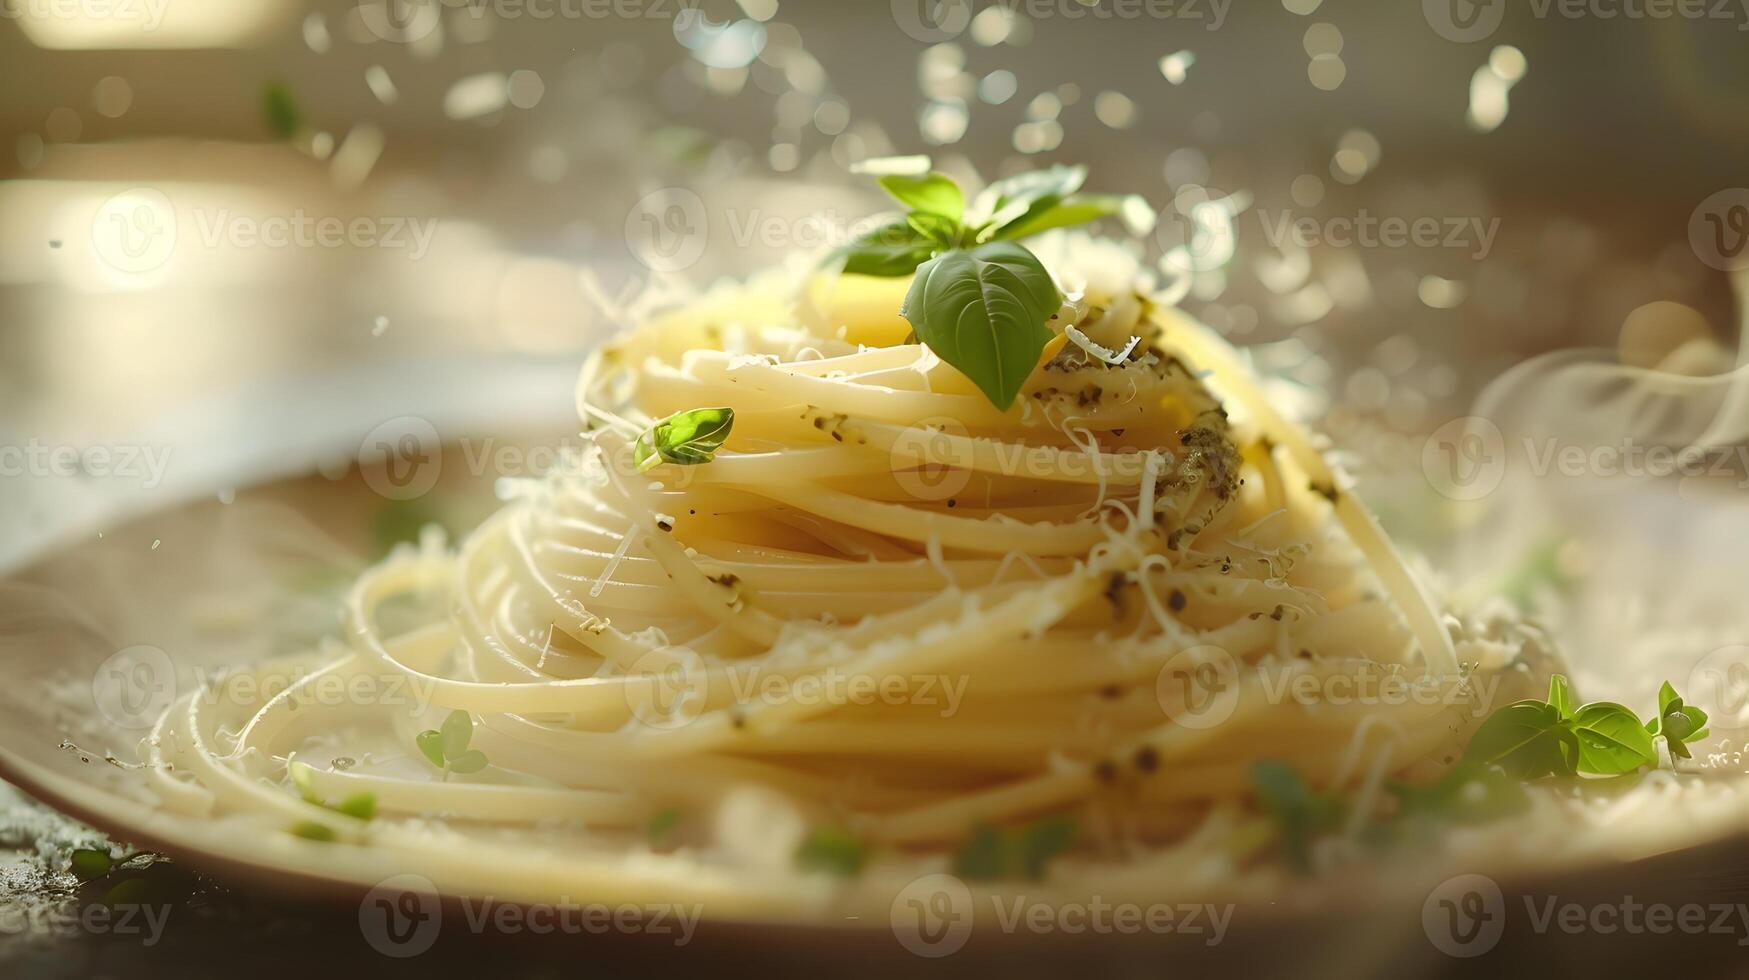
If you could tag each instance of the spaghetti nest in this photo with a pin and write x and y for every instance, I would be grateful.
(904, 612)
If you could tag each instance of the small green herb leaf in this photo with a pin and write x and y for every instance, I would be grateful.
(1468, 793)
(941, 233)
(891, 250)
(933, 193)
(280, 110)
(1527, 739)
(87, 863)
(1667, 697)
(1300, 814)
(303, 778)
(662, 826)
(1612, 740)
(1040, 841)
(983, 855)
(1076, 210)
(468, 762)
(311, 830)
(1017, 200)
(1678, 723)
(1560, 695)
(983, 311)
(831, 850)
(1023, 852)
(458, 732)
(685, 438)
(359, 806)
(431, 746)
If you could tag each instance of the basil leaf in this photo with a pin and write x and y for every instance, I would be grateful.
(1013, 200)
(1466, 794)
(684, 438)
(1561, 696)
(1667, 696)
(458, 731)
(663, 824)
(361, 806)
(1527, 739)
(471, 761)
(1038, 842)
(1611, 740)
(933, 193)
(939, 231)
(311, 830)
(982, 855)
(895, 249)
(1021, 852)
(833, 851)
(87, 863)
(1299, 814)
(303, 777)
(431, 746)
(983, 311)
(1074, 211)
(280, 110)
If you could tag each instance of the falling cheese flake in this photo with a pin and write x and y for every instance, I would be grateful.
(999, 86)
(1114, 109)
(356, 156)
(316, 34)
(1175, 65)
(381, 86)
(1490, 85)
(1441, 293)
(476, 95)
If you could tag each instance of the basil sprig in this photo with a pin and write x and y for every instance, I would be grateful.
(979, 301)
(684, 438)
(1531, 738)
(1678, 723)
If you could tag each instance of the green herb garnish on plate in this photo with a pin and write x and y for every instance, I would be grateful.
(448, 750)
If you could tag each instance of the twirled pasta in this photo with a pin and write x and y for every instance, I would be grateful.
(1073, 579)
